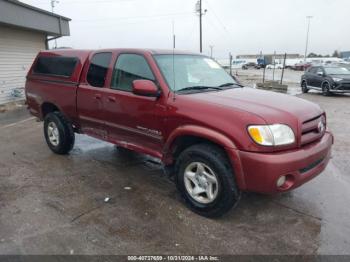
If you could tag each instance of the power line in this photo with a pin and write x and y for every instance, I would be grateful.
(216, 16)
(134, 17)
(222, 24)
(82, 2)
(131, 22)
(217, 28)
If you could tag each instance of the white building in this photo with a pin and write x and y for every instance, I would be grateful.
(24, 31)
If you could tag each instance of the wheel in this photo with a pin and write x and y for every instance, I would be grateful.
(304, 88)
(325, 89)
(59, 134)
(205, 179)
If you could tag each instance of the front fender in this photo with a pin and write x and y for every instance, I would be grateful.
(198, 131)
(213, 136)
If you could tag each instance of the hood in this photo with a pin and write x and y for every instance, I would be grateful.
(272, 107)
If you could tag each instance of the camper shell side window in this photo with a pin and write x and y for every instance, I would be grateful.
(60, 66)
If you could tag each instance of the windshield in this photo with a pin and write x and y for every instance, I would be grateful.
(190, 71)
(337, 71)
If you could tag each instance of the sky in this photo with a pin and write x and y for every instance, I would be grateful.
(236, 26)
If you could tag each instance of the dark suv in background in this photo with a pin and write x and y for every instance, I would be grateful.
(328, 79)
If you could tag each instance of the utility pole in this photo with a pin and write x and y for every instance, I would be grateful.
(211, 51)
(307, 35)
(200, 12)
(53, 2)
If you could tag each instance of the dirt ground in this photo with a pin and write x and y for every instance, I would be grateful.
(54, 204)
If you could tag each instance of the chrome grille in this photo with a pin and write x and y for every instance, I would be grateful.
(313, 130)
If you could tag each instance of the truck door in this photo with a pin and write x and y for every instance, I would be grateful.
(90, 95)
(133, 120)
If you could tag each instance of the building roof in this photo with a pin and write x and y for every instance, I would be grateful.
(16, 13)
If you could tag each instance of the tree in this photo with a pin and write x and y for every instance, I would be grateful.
(311, 55)
(336, 54)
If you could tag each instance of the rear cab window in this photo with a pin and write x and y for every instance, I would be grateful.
(98, 69)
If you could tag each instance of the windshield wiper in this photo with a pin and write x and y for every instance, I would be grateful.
(190, 88)
(230, 84)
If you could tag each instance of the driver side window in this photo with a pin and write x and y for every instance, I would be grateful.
(130, 67)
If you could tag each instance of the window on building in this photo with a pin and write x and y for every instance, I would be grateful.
(130, 67)
(55, 65)
(98, 69)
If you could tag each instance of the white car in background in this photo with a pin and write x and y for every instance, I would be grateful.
(276, 66)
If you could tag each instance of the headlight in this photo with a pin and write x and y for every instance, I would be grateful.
(336, 79)
(272, 135)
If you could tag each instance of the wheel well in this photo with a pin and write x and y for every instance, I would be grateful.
(183, 142)
(180, 144)
(326, 82)
(48, 108)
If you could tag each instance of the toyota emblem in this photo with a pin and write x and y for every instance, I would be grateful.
(320, 127)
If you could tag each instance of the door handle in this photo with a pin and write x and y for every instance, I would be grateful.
(111, 99)
(98, 96)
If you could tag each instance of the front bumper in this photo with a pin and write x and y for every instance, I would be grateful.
(259, 172)
(341, 87)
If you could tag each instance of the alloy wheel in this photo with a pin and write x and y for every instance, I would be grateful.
(201, 182)
(53, 134)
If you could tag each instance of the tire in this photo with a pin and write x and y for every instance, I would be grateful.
(224, 196)
(325, 89)
(304, 88)
(59, 133)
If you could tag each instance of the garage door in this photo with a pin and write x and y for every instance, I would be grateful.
(18, 48)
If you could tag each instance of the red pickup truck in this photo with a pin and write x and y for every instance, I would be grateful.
(214, 137)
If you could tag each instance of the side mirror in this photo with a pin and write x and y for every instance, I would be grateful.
(145, 88)
(320, 73)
